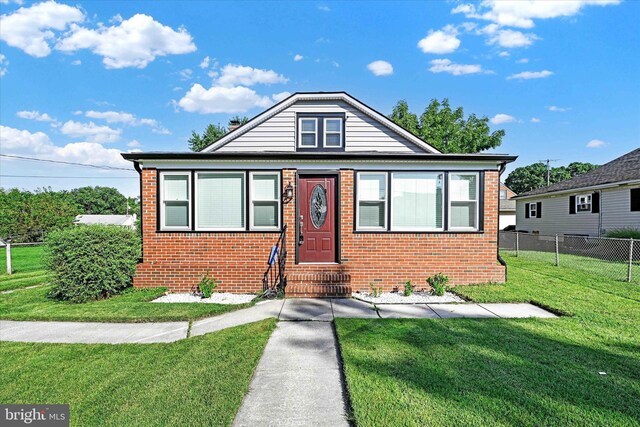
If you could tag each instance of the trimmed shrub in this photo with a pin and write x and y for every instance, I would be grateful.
(207, 286)
(624, 233)
(91, 262)
(438, 283)
(408, 288)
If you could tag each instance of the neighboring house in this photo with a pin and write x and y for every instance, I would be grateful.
(128, 221)
(507, 207)
(363, 201)
(607, 198)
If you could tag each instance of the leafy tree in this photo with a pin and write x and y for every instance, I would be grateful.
(212, 133)
(100, 200)
(446, 129)
(534, 176)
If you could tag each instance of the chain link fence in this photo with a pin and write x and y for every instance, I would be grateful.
(618, 259)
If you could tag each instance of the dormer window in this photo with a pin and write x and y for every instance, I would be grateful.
(308, 133)
(322, 131)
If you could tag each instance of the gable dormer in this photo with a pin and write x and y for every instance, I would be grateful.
(321, 122)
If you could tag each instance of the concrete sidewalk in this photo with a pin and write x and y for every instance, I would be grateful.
(298, 380)
(319, 310)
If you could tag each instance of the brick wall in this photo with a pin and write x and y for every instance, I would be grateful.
(238, 260)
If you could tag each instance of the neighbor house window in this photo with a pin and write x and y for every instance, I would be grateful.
(372, 201)
(634, 199)
(463, 201)
(583, 203)
(265, 200)
(533, 210)
(333, 132)
(503, 194)
(416, 201)
(220, 201)
(308, 136)
(175, 190)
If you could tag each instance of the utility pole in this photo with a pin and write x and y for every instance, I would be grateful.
(547, 161)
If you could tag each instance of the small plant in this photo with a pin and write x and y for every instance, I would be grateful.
(408, 288)
(373, 291)
(207, 286)
(438, 283)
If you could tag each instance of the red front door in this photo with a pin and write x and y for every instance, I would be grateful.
(317, 218)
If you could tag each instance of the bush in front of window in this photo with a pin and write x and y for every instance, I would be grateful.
(438, 283)
(91, 262)
(207, 286)
(408, 288)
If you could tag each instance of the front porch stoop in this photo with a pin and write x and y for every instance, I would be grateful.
(318, 285)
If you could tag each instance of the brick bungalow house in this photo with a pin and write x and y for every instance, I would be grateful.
(357, 198)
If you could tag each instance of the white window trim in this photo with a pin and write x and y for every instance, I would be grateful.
(220, 172)
(385, 201)
(404, 228)
(324, 130)
(578, 203)
(278, 201)
(476, 201)
(163, 201)
(533, 210)
(300, 132)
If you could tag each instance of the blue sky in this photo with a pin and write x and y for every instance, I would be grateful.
(82, 81)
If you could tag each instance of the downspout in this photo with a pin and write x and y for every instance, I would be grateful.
(503, 166)
(136, 166)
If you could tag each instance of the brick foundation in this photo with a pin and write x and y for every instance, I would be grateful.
(177, 260)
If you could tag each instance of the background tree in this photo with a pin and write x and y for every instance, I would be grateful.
(527, 178)
(447, 129)
(212, 133)
(100, 200)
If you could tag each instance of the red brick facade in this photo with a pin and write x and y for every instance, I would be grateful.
(237, 260)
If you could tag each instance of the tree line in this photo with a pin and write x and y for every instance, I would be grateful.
(27, 216)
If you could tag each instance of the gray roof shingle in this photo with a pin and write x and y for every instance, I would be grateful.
(624, 168)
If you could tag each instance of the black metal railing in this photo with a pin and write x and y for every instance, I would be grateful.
(275, 280)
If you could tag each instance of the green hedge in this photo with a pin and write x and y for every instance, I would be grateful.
(624, 233)
(91, 262)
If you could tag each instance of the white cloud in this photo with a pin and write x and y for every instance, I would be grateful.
(298, 57)
(186, 74)
(90, 131)
(511, 38)
(134, 144)
(596, 143)
(441, 41)
(523, 61)
(557, 109)
(221, 99)
(76, 62)
(3, 65)
(205, 62)
(233, 75)
(35, 115)
(134, 42)
(31, 28)
(335, 64)
(502, 118)
(277, 97)
(25, 142)
(516, 13)
(504, 54)
(128, 119)
(380, 68)
(324, 8)
(11, 1)
(526, 75)
(535, 120)
(446, 66)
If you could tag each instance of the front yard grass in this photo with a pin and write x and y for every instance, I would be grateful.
(131, 306)
(27, 266)
(504, 371)
(199, 381)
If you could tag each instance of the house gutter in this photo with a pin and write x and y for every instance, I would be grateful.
(501, 169)
(136, 166)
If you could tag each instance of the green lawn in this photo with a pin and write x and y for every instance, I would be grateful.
(504, 372)
(199, 381)
(131, 306)
(27, 266)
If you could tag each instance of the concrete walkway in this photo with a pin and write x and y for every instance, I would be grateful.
(298, 380)
(324, 310)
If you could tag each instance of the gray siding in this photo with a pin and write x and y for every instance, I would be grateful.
(615, 212)
(362, 133)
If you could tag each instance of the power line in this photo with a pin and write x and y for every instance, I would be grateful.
(35, 159)
(75, 177)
